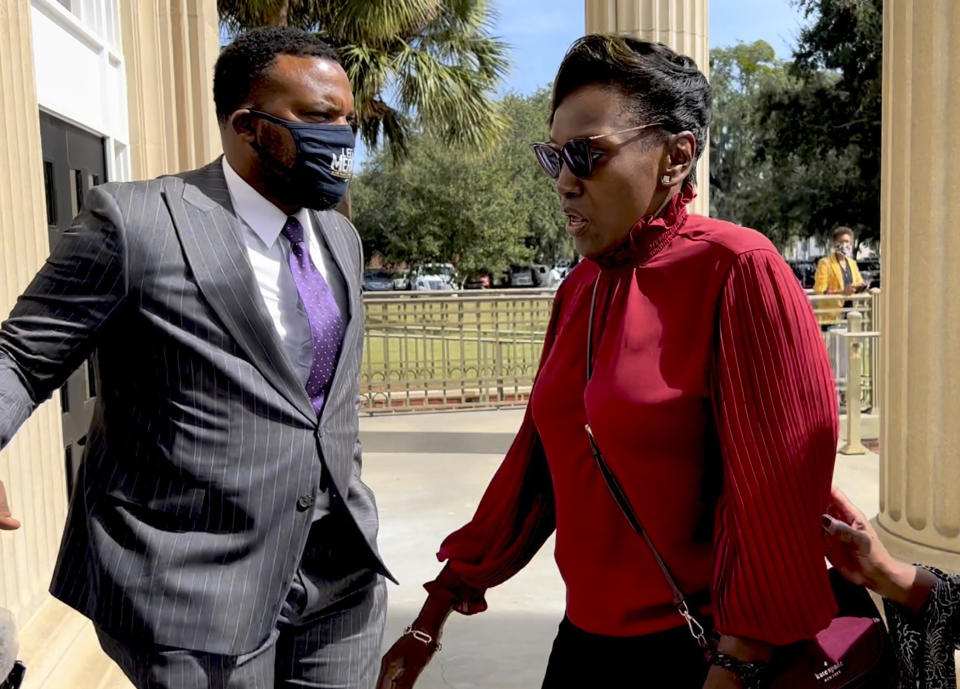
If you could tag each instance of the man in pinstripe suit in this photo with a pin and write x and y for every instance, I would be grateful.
(219, 534)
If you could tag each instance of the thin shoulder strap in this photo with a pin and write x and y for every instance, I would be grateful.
(679, 600)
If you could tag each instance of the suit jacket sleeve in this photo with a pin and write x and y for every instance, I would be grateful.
(361, 313)
(821, 281)
(776, 412)
(54, 325)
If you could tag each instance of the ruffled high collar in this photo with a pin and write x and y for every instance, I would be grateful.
(650, 234)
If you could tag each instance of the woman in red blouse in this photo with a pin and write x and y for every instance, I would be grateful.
(711, 399)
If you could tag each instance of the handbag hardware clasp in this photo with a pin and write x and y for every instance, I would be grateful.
(696, 629)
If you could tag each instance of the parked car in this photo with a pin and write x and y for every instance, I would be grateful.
(433, 276)
(805, 270)
(477, 281)
(520, 276)
(546, 276)
(870, 270)
(541, 274)
(564, 266)
(401, 280)
(377, 280)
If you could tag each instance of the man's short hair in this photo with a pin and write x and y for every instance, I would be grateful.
(243, 64)
(841, 231)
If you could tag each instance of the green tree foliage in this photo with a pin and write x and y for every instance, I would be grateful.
(431, 65)
(481, 210)
(795, 146)
(739, 75)
(829, 121)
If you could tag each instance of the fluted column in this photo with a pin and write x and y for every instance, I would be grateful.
(920, 435)
(170, 47)
(682, 25)
(32, 465)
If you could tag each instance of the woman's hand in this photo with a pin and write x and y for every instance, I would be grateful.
(721, 678)
(742, 649)
(856, 551)
(404, 662)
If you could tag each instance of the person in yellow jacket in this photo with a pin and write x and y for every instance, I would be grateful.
(837, 274)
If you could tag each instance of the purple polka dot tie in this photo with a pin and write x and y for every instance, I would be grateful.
(326, 323)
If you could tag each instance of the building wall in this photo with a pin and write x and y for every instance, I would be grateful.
(31, 466)
(683, 25)
(170, 47)
(920, 439)
(79, 71)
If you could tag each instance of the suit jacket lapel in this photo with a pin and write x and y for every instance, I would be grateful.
(341, 243)
(837, 271)
(212, 242)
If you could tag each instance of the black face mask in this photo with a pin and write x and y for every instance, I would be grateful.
(324, 166)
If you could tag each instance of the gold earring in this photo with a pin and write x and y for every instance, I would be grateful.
(665, 179)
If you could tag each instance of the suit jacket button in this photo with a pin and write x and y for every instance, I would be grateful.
(305, 502)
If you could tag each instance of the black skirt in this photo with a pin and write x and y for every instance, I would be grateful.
(581, 660)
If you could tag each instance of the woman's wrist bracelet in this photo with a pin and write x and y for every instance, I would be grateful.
(423, 637)
(751, 674)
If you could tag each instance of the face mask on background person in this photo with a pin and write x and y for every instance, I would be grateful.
(324, 165)
(844, 249)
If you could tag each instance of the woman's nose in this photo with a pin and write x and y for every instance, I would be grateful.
(567, 183)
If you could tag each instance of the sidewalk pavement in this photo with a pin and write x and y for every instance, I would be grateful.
(428, 472)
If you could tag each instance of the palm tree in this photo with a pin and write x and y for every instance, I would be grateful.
(426, 65)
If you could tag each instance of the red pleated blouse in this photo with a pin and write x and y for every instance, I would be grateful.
(712, 400)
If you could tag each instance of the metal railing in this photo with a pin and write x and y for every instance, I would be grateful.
(456, 350)
(481, 348)
(838, 327)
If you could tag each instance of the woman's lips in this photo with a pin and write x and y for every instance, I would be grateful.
(576, 224)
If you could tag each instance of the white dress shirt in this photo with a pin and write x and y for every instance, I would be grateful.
(270, 257)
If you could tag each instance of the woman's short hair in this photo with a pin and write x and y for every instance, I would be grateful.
(841, 232)
(661, 85)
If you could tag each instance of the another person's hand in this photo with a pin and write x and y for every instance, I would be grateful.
(403, 663)
(849, 290)
(856, 551)
(7, 522)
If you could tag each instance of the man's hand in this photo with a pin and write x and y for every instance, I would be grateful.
(7, 522)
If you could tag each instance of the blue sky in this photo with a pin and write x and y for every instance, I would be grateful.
(540, 31)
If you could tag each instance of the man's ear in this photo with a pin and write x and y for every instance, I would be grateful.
(681, 150)
(241, 123)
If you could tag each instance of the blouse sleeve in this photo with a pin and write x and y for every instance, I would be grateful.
(514, 518)
(776, 413)
(926, 641)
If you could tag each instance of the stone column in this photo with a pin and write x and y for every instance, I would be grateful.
(920, 436)
(682, 25)
(170, 47)
(32, 465)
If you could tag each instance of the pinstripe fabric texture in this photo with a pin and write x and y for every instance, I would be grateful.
(204, 457)
(337, 650)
